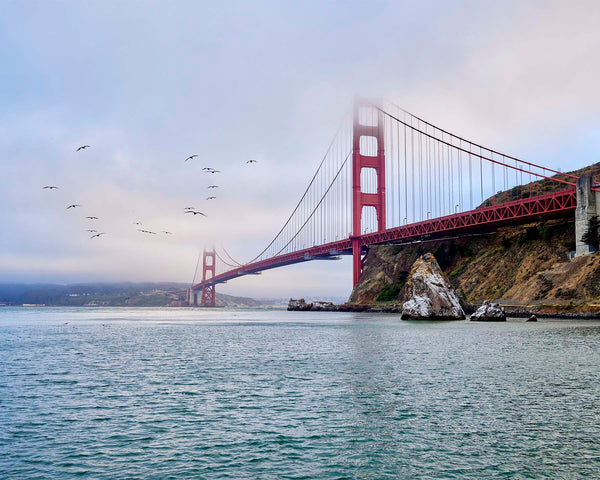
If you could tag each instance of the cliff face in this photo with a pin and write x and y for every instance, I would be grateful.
(522, 265)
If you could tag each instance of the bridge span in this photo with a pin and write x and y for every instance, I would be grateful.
(432, 175)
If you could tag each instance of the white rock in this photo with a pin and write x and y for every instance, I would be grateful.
(431, 295)
(489, 312)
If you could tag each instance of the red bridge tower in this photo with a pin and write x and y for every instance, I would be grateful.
(361, 199)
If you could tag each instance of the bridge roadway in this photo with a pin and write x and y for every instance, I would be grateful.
(522, 210)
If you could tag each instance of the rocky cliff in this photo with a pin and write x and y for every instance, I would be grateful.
(523, 265)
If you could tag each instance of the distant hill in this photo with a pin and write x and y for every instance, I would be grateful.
(123, 294)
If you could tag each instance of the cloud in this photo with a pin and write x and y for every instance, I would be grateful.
(147, 84)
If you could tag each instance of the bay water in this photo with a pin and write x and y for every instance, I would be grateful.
(116, 393)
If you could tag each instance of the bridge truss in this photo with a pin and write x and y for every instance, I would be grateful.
(389, 176)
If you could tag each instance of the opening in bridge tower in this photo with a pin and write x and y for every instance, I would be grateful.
(208, 272)
(368, 126)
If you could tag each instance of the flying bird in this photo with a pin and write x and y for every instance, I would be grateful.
(73, 206)
(137, 223)
(98, 234)
(196, 213)
(190, 208)
(51, 187)
(213, 186)
(251, 161)
(210, 198)
(92, 218)
(83, 147)
(166, 233)
(214, 171)
(147, 231)
(190, 157)
(206, 168)
(91, 231)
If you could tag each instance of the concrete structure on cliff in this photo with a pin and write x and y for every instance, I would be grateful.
(588, 206)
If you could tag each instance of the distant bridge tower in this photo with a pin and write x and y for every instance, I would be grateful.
(361, 161)
(208, 272)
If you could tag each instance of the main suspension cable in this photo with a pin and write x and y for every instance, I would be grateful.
(302, 198)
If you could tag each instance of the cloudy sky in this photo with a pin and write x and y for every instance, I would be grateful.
(148, 83)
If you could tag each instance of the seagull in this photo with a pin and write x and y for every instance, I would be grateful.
(213, 186)
(91, 231)
(73, 206)
(83, 147)
(210, 198)
(50, 187)
(196, 213)
(98, 234)
(190, 157)
(92, 218)
(166, 233)
(251, 161)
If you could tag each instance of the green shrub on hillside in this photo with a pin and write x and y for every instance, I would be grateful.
(388, 292)
(391, 290)
(543, 230)
(458, 270)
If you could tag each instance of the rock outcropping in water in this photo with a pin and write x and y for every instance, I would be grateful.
(489, 312)
(431, 297)
(302, 306)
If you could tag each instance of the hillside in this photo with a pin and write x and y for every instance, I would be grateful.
(526, 264)
(521, 264)
(109, 294)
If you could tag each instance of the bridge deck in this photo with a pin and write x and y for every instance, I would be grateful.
(497, 215)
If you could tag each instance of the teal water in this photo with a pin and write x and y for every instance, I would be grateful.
(212, 394)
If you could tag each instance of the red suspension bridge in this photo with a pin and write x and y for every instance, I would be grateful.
(389, 176)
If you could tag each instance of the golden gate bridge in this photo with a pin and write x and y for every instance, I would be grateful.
(389, 176)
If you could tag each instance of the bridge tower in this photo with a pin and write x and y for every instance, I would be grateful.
(361, 161)
(208, 271)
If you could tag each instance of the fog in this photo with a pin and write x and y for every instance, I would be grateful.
(147, 84)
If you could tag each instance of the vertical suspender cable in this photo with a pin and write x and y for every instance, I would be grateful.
(481, 175)
(412, 170)
(470, 182)
(405, 179)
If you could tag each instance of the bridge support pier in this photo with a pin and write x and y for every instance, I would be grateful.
(588, 205)
(356, 260)
(193, 298)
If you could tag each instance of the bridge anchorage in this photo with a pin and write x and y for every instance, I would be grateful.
(389, 176)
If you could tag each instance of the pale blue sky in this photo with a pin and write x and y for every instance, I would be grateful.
(149, 83)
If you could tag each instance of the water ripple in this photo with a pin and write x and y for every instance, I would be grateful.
(157, 393)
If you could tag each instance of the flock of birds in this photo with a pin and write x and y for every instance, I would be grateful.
(191, 210)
